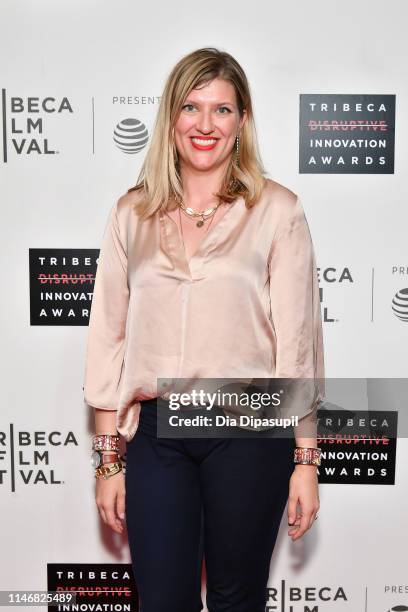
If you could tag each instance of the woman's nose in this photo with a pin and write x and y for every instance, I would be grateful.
(205, 122)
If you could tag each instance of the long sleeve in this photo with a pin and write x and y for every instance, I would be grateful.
(107, 323)
(295, 312)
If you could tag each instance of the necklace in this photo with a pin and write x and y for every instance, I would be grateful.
(204, 214)
(181, 228)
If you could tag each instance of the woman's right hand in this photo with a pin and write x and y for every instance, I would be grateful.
(110, 499)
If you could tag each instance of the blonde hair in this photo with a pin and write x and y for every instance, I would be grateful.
(159, 179)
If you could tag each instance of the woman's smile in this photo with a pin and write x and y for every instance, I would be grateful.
(203, 143)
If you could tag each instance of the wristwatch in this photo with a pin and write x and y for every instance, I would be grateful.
(98, 458)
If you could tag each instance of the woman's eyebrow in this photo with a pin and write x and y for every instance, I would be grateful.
(215, 103)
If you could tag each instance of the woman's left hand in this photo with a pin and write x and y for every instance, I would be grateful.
(303, 490)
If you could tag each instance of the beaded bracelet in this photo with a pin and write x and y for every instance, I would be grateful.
(307, 455)
(105, 442)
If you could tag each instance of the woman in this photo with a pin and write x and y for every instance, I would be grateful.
(206, 270)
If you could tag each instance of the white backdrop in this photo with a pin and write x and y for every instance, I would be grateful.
(110, 60)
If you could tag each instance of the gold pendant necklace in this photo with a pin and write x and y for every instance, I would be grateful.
(181, 228)
(204, 214)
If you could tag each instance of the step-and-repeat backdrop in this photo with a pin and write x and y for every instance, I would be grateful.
(330, 94)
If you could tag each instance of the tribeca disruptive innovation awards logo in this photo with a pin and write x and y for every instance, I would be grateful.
(61, 285)
(24, 123)
(358, 446)
(98, 586)
(346, 134)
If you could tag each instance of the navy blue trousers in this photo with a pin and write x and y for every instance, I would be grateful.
(221, 498)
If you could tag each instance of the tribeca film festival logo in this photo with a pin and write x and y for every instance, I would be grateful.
(287, 598)
(25, 120)
(332, 276)
(25, 456)
(61, 285)
(358, 446)
(98, 586)
(346, 134)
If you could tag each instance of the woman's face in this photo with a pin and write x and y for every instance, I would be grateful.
(207, 126)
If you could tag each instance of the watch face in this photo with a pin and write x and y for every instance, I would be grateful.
(96, 459)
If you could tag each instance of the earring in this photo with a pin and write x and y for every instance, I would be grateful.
(237, 151)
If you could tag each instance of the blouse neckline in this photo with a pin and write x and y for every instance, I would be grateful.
(172, 241)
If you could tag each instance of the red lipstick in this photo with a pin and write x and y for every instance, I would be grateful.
(204, 147)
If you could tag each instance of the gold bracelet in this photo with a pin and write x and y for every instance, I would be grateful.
(107, 470)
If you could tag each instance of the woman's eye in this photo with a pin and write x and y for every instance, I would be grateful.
(221, 108)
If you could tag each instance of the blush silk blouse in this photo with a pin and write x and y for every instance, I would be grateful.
(246, 304)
